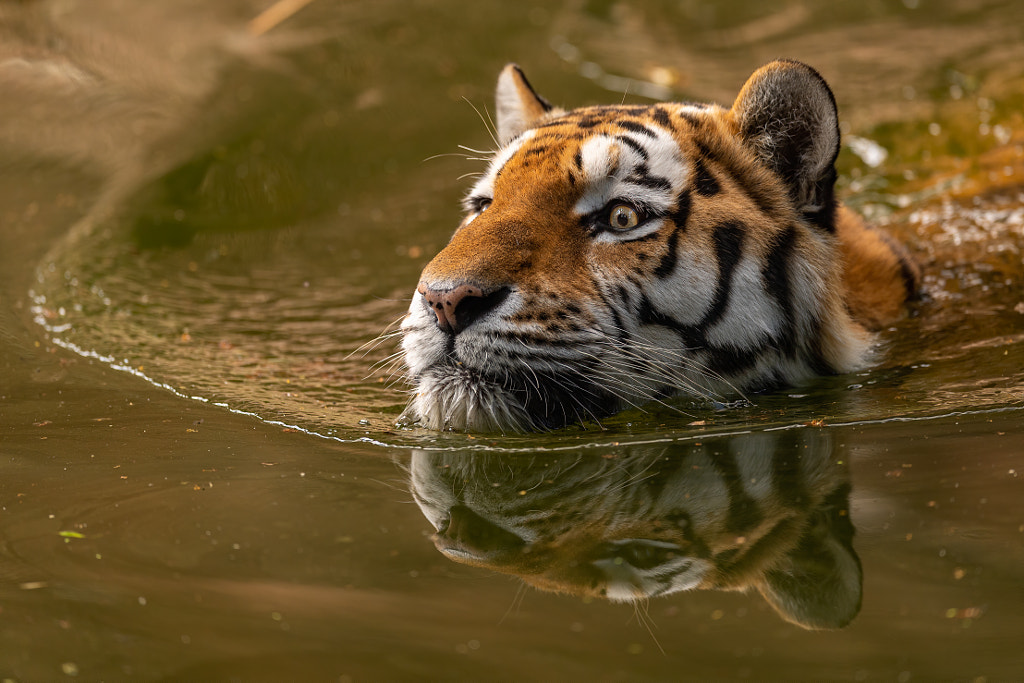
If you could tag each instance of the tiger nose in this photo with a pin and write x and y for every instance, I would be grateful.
(459, 307)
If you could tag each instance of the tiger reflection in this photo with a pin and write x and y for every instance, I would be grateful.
(766, 510)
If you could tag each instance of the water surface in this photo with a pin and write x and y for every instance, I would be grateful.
(206, 223)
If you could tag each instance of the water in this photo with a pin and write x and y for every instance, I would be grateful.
(204, 230)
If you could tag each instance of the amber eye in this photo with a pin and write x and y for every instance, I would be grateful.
(623, 217)
(475, 206)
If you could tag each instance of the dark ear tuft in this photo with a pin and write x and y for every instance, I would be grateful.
(518, 106)
(787, 113)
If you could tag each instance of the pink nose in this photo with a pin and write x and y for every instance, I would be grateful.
(458, 307)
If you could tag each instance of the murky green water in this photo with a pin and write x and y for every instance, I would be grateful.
(204, 230)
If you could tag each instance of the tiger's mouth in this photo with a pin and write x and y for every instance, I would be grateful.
(452, 396)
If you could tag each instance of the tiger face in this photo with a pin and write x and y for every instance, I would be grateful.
(611, 255)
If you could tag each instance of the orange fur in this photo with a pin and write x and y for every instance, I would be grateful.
(879, 273)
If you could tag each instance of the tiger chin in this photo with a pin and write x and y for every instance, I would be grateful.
(614, 255)
(765, 512)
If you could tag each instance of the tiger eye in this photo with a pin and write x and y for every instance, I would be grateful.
(623, 217)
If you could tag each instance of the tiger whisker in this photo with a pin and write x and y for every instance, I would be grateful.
(611, 378)
(387, 367)
(451, 154)
(680, 354)
(672, 374)
(386, 333)
(492, 130)
(488, 152)
(641, 609)
(517, 602)
(579, 405)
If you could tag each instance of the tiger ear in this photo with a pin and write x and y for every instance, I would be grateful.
(819, 585)
(518, 106)
(787, 113)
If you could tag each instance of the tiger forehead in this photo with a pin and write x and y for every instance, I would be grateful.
(572, 129)
(666, 115)
(561, 141)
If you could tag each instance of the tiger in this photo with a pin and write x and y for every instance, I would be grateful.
(765, 511)
(613, 255)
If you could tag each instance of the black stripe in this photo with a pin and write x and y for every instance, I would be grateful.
(728, 239)
(816, 354)
(636, 127)
(641, 176)
(667, 266)
(682, 213)
(623, 296)
(620, 328)
(762, 198)
(634, 145)
(662, 117)
(704, 183)
(577, 159)
(776, 282)
(731, 360)
(691, 118)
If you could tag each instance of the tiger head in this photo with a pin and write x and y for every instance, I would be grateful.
(611, 255)
(768, 512)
